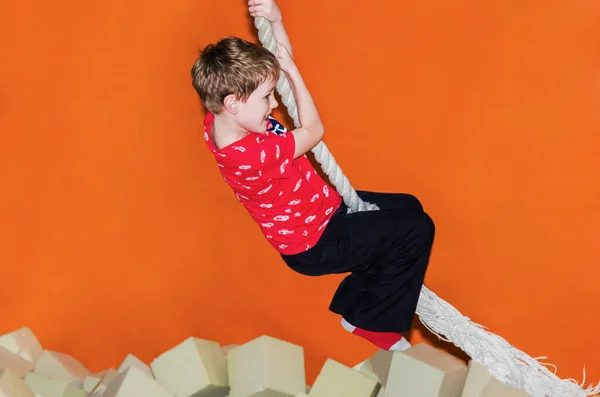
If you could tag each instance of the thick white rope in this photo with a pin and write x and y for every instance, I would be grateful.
(506, 363)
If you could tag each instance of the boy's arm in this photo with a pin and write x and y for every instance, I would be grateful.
(281, 35)
(311, 129)
(269, 10)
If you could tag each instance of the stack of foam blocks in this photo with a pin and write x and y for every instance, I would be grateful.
(263, 367)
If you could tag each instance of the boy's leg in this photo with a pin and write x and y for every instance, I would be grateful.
(387, 252)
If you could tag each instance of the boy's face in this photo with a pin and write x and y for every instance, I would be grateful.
(252, 114)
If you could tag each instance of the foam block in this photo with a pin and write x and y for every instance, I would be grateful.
(480, 383)
(377, 366)
(477, 379)
(100, 388)
(92, 380)
(195, 367)
(47, 387)
(11, 385)
(266, 366)
(498, 389)
(133, 361)
(227, 348)
(424, 371)
(336, 379)
(22, 342)
(135, 382)
(61, 366)
(18, 365)
(365, 368)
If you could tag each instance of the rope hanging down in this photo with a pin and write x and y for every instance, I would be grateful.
(508, 364)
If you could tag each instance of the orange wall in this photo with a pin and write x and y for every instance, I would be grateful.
(120, 236)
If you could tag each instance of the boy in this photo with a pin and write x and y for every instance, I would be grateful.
(386, 252)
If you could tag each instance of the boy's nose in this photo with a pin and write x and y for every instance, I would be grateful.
(274, 103)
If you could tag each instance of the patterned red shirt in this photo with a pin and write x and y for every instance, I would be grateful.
(290, 202)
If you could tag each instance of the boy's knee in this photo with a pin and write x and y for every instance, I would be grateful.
(414, 203)
(426, 227)
(430, 224)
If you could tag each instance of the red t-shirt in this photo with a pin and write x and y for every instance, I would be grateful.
(290, 202)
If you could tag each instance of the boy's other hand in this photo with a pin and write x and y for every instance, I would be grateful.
(285, 59)
(267, 9)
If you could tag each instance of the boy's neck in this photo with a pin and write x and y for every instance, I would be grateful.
(226, 131)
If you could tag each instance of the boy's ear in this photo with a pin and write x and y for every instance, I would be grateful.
(231, 104)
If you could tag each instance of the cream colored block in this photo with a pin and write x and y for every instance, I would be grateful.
(134, 382)
(266, 366)
(336, 379)
(227, 348)
(424, 371)
(380, 365)
(100, 388)
(195, 367)
(478, 377)
(92, 380)
(11, 385)
(301, 395)
(498, 389)
(480, 383)
(133, 361)
(377, 366)
(22, 342)
(10, 360)
(49, 387)
(61, 366)
(366, 369)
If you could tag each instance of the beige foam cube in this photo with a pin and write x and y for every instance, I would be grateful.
(92, 380)
(135, 382)
(22, 342)
(227, 348)
(477, 379)
(424, 371)
(14, 362)
(377, 366)
(11, 385)
(336, 379)
(365, 368)
(498, 389)
(133, 361)
(98, 390)
(61, 366)
(266, 366)
(49, 387)
(195, 367)
(301, 395)
(480, 383)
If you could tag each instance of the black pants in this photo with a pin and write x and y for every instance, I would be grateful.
(387, 254)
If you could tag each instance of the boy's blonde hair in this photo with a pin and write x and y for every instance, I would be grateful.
(231, 66)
